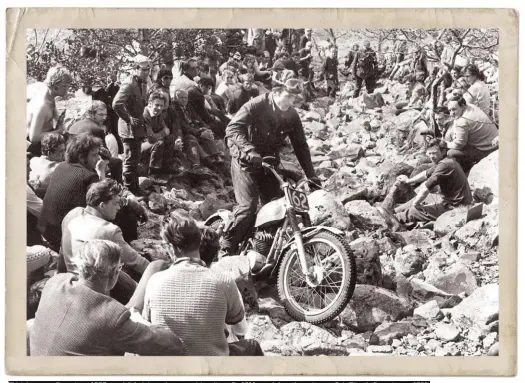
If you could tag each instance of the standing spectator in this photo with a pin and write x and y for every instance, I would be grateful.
(161, 143)
(41, 168)
(478, 93)
(41, 109)
(270, 42)
(350, 59)
(364, 69)
(246, 94)
(306, 61)
(93, 122)
(69, 183)
(188, 290)
(76, 315)
(419, 64)
(112, 89)
(306, 38)
(129, 104)
(473, 133)
(330, 73)
(34, 209)
(94, 221)
(227, 88)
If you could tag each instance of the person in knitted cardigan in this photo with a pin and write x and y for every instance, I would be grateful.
(193, 301)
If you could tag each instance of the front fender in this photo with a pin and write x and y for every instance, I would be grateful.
(223, 214)
(306, 232)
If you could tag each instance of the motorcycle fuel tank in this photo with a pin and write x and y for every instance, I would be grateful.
(271, 212)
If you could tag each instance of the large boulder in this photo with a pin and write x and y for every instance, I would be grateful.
(314, 127)
(366, 251)
(483, 233)
(365, 215)
(409, 260)
(370, 306)
(419, 238)
(429, 310)
(261, 328)
(450, 221)
(350, 151)
(478, 309)
(325, 210)
(306, 337)
(425, 292)
(484, 179)
(157, 203)
(456, 279)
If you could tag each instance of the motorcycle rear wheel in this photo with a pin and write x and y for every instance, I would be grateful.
(338, 282)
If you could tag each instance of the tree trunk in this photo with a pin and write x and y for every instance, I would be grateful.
(144, 41)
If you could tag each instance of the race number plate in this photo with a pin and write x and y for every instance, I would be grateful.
(299, 200)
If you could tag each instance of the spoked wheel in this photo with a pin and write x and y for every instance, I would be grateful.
(321, 298)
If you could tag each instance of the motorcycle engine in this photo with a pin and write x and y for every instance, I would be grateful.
(263, 240)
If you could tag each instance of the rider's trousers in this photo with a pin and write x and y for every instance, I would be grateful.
(249, 186)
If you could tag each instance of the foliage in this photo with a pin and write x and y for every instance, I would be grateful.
(94, 54)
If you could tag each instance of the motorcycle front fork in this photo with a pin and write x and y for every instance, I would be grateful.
(298, 243)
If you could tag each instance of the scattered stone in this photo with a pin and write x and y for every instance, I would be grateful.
(424, 292)
(157, 203)
(457, 279)
(472, 256)
(371, 337)
(368, 265)
(447, 332)
(145, 183)
(357, 341)
(490, 340)
(441, 352)
(484, 179)
(432, 345)
(494, 350)
(384, 349)
(450, 221)
(261, 328)
(409, 260)
(364, 214)
(387, 332)
(420, 238)
(396, 343)
(429, 310)
(370, 306)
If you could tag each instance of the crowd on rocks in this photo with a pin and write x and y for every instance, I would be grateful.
(119, 262)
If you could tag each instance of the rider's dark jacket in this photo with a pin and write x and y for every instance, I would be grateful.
(261, 126)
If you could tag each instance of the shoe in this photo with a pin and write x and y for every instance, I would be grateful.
(390, 219)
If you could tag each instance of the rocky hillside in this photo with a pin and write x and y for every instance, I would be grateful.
(429, 291)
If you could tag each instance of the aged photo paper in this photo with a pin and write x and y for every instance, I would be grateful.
(19, 20)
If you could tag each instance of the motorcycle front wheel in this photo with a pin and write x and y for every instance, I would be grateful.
(321, 300)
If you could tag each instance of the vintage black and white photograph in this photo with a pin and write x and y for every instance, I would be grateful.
(262, 192)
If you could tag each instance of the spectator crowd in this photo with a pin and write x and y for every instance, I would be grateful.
(84, 198)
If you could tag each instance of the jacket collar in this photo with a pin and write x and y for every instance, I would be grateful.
(92, 211)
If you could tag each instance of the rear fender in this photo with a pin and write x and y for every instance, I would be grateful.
(223, 214)
(306, 232)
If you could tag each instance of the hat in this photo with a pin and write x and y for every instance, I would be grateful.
(294, 86)
(143, 61)
(237, 55)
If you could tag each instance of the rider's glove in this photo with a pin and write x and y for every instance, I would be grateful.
(255, 159)
(314, 184)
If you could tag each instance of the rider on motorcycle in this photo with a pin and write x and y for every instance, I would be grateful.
(259, 129)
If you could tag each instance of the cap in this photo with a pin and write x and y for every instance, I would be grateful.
(143, 61)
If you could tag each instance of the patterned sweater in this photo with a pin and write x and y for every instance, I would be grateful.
(194, 303)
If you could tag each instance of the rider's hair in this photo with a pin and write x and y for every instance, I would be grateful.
(79, 146)
(473, 70)
(247, 77)
(205, 81)
(157, 95)
(92, 109)
(460, 100)
(102, 191)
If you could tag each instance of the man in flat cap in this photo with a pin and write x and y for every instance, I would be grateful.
(260, 129)
(129, 104)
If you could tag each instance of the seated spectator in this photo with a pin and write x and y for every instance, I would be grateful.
(42, 114)
(444, 126)
(474, 133)
(189, 290)
(452, 182)
(246, 93)
(252, 67)
(41, 168)
(227, 88)
(161, 144)
(76, 316)
(93, 122)
(197, 99)
(455, 72)
(478, 93)
(34, 208)
(94, 222)
(188, 71)
(198, 139)
(266, 61)
(417, 92)
(69, 183)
